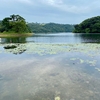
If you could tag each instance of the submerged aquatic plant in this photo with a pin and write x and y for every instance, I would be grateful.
(81, 61)
(92, 63)
(44, 48)
(98, 69)
(57, 98)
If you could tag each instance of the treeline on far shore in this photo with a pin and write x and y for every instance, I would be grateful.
(17, 24)
(50, 27)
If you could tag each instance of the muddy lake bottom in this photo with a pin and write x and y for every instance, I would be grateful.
(43, 71)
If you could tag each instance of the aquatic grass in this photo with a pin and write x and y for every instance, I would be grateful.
(73, 58)
(6, 35)
(57, 98)
(81, 61)
(92, 63)
(98, 69)
(43, 48)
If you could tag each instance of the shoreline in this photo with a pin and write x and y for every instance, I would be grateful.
(4, 35)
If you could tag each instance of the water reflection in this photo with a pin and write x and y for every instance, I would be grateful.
(14, 40)
(56, 38)
(13, 45)
(46, 78)
(88, 38)
(65, 38)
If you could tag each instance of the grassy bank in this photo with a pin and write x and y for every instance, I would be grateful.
(15, 34)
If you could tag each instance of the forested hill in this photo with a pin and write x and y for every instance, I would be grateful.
(0, 22)
(90, 25)
(50, 27)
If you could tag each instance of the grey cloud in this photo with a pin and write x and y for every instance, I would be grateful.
(60, 11)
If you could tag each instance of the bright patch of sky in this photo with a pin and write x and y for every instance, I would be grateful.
(45, 11)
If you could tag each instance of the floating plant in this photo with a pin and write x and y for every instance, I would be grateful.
(44, 48)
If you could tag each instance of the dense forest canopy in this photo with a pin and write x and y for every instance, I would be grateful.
(91, 25)
(14, 24)
(0, 24)
(50, 27)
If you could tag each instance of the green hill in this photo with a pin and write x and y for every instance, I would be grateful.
(91, 25)
(50, 27)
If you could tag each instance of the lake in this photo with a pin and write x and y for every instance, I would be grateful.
(56, 66)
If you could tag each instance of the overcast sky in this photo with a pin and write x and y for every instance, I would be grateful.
(45, 11)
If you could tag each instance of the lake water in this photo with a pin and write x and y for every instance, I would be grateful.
(62, 66)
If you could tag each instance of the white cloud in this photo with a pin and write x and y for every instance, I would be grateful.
(75, 7)
(25, 1)
(16, 1)
(65, 7)
(52, 2)
(51, 10)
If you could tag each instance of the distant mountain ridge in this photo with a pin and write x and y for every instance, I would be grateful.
(50, 27)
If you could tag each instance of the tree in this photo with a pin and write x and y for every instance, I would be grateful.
(15, 24)
(5, 23)
(91, 25)
(13, 17)
(19, 27)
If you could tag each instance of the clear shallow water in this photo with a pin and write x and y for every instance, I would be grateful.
(44, 70)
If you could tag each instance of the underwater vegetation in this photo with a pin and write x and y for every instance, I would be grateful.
(45, 48)
(53, 72)
(90, 49)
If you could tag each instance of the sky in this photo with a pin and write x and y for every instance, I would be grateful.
(56, 11)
